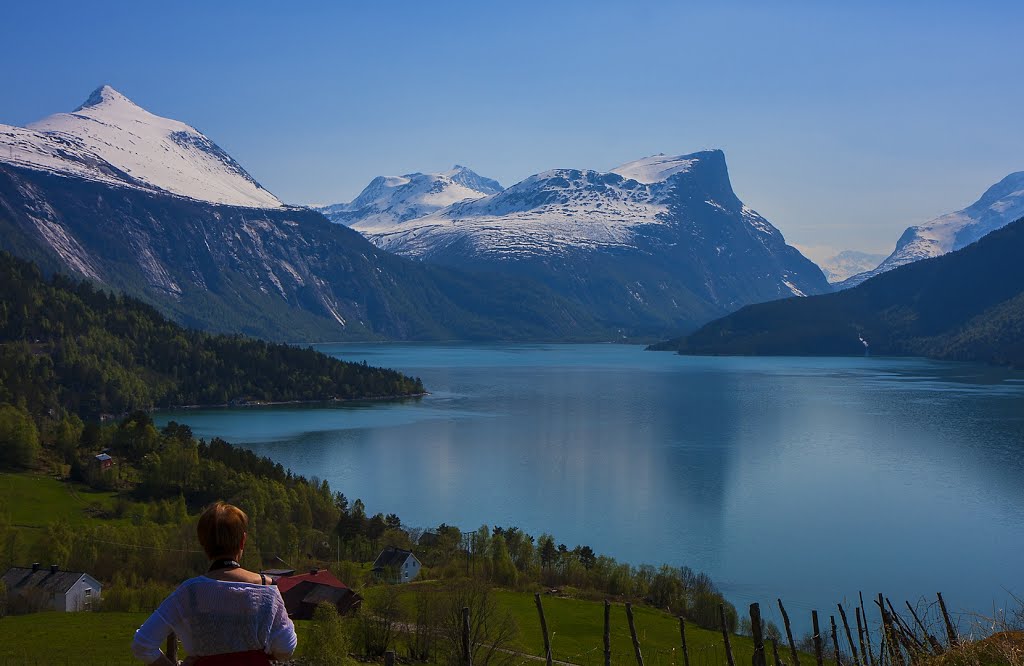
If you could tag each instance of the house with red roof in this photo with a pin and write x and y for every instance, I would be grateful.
(303, 592)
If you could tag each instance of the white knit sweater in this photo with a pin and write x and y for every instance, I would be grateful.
(217, 617)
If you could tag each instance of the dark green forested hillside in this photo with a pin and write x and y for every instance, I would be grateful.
(967, 305)
(66, 346)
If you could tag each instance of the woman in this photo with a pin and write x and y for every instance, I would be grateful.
(226, 616)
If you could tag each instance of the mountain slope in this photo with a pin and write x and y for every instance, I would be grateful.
(65, 345)
(283, 274)
(390, 200)
(998, 206)
(656, 244)
(151, 207)
(109, 138)
(966, 305)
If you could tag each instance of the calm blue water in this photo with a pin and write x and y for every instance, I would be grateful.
(802, 478)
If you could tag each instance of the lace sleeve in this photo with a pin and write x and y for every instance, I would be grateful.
(153, 632)
(282, 640)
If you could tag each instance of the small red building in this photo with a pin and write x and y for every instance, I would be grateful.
(104, 461)
(302, 593)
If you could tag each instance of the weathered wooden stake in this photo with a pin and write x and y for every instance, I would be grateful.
(934, 642)
(867, 631)
(775, 653)
(632, 632)
(819, 658)
(755, 629)
(682, 637)
(835, 639)
(607, 633)
(849, 636)
(789, 634)
(172, 648)
(891, 638)
(950, 632)
(544, 629)
(725, 635)
(860, 636)
(467, 653)
(389, 658)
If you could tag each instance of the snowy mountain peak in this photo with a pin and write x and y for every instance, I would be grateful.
(657, 168)
(390, 200)
(106, 95)
(998, 206)
(111, 139)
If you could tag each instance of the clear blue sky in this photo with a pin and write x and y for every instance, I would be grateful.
(842, 124)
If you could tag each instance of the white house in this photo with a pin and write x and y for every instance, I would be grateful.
(51, 588)
(397, 565)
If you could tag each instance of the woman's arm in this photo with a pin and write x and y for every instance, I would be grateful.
(151, 636)
(282, 632)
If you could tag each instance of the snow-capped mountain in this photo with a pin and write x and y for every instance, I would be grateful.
(390, 200)
(848, 263)
(998, 206)
(109, 139)
(662, 240)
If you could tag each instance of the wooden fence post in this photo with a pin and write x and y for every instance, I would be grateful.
(789, 634)
(544, 629)
(682, 637)
(819, 658)
(172, 648)
(775, 653)
(725, 635)
(950, 632)
(860, 636)
(467, 652)
(867, 631)
(632, 632)
(607, 633)
(835, 639)
(849, 636)
(755, 630)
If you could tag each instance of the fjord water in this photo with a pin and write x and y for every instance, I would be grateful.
(807, 479)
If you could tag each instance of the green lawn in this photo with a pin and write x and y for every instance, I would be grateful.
(35, 501)
(68, 638)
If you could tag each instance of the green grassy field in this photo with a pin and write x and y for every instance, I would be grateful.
(35, 501)
(68, 638)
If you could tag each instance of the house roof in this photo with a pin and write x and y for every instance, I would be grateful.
(22, 579)
(103, 457)
(319, 576)
(391, 557)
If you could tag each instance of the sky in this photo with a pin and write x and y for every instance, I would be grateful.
(842, 123)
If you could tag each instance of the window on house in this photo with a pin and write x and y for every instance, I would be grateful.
(88, 591)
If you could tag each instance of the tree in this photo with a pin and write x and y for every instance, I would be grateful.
(325, 642)
(19, 439)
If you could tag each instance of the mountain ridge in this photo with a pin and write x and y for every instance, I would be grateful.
(965, 305)
(999, 205)
(111, 139)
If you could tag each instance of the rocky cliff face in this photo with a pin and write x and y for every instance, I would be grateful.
(657, 243)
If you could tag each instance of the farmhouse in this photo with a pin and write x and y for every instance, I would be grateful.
(303, 592)
(396, 565)
(35, 588)
(104, 460)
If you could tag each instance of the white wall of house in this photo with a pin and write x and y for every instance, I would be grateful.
(410, 569)
(81, 596)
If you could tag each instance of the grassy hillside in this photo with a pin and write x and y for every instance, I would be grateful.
(967, 305)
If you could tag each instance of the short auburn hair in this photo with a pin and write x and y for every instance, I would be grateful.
(221, 529)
